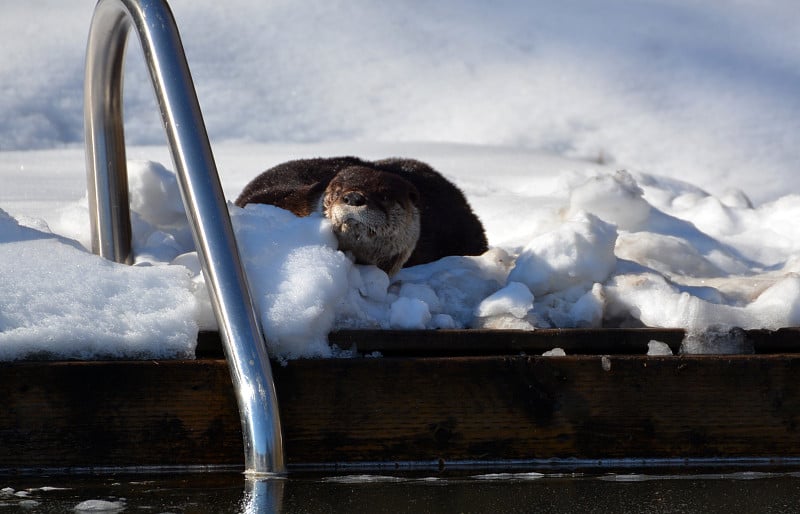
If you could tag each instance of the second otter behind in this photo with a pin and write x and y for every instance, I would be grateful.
(391, 213)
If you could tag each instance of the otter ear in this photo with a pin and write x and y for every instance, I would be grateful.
(317, 188)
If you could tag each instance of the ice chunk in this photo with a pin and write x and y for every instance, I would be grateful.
(409, 313)
(716, 340)
(515, 299)
(658, 348)
(423, 293)
(587, 311)
(579, 252)
(460, 283)
(100, 506)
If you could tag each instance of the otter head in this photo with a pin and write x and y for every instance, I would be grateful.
(375, 215)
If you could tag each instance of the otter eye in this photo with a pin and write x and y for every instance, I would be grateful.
(354, 198)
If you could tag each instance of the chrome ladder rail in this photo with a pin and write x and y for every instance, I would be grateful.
(201, 192)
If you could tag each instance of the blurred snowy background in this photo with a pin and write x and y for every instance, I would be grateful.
(668, 86)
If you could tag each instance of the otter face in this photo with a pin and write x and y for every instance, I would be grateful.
(375, 215)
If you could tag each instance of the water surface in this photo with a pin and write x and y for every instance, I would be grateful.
(510, 493)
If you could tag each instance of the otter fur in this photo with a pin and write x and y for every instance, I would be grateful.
(391, 213)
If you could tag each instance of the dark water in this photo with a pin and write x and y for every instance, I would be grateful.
(230, 492)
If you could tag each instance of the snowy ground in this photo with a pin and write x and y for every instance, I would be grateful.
(633, 163)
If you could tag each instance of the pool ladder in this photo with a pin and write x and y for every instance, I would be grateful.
(202, 198)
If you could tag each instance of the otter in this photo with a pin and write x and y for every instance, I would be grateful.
(392, 213)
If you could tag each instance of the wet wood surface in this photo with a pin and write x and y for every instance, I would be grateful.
(605, 341)
(396, 410)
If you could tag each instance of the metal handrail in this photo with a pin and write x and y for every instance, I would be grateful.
(201, 192)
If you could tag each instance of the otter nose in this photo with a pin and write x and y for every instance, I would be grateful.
(354, 198)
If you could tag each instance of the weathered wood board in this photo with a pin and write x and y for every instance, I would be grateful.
(400, 410)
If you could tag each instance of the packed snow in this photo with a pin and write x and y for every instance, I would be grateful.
(633, 165)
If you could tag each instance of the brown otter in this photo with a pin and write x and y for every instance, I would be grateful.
(391, 213)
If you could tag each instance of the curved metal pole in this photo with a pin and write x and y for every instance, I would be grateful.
(202, 196)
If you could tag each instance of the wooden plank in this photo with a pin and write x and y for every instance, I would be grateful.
(396, 410)
(500, 342)
(507, 408)
(144, 413)
(604, 341)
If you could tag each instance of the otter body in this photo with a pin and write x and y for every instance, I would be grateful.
(390, 213)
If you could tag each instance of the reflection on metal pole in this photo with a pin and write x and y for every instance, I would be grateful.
(202, 197)
(263, 495)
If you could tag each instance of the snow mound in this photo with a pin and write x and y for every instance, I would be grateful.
(58, 301)
(609, 249)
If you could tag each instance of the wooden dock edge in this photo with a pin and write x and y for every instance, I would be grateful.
(397, 412)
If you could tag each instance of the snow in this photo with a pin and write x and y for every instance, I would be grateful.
(633, 164)
(515, 299)
(296, 275)
(100, 506)
(55, 298)
(579, 252)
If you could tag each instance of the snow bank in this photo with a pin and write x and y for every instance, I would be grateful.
(58, 301)
(296, 276)
(611, 249)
